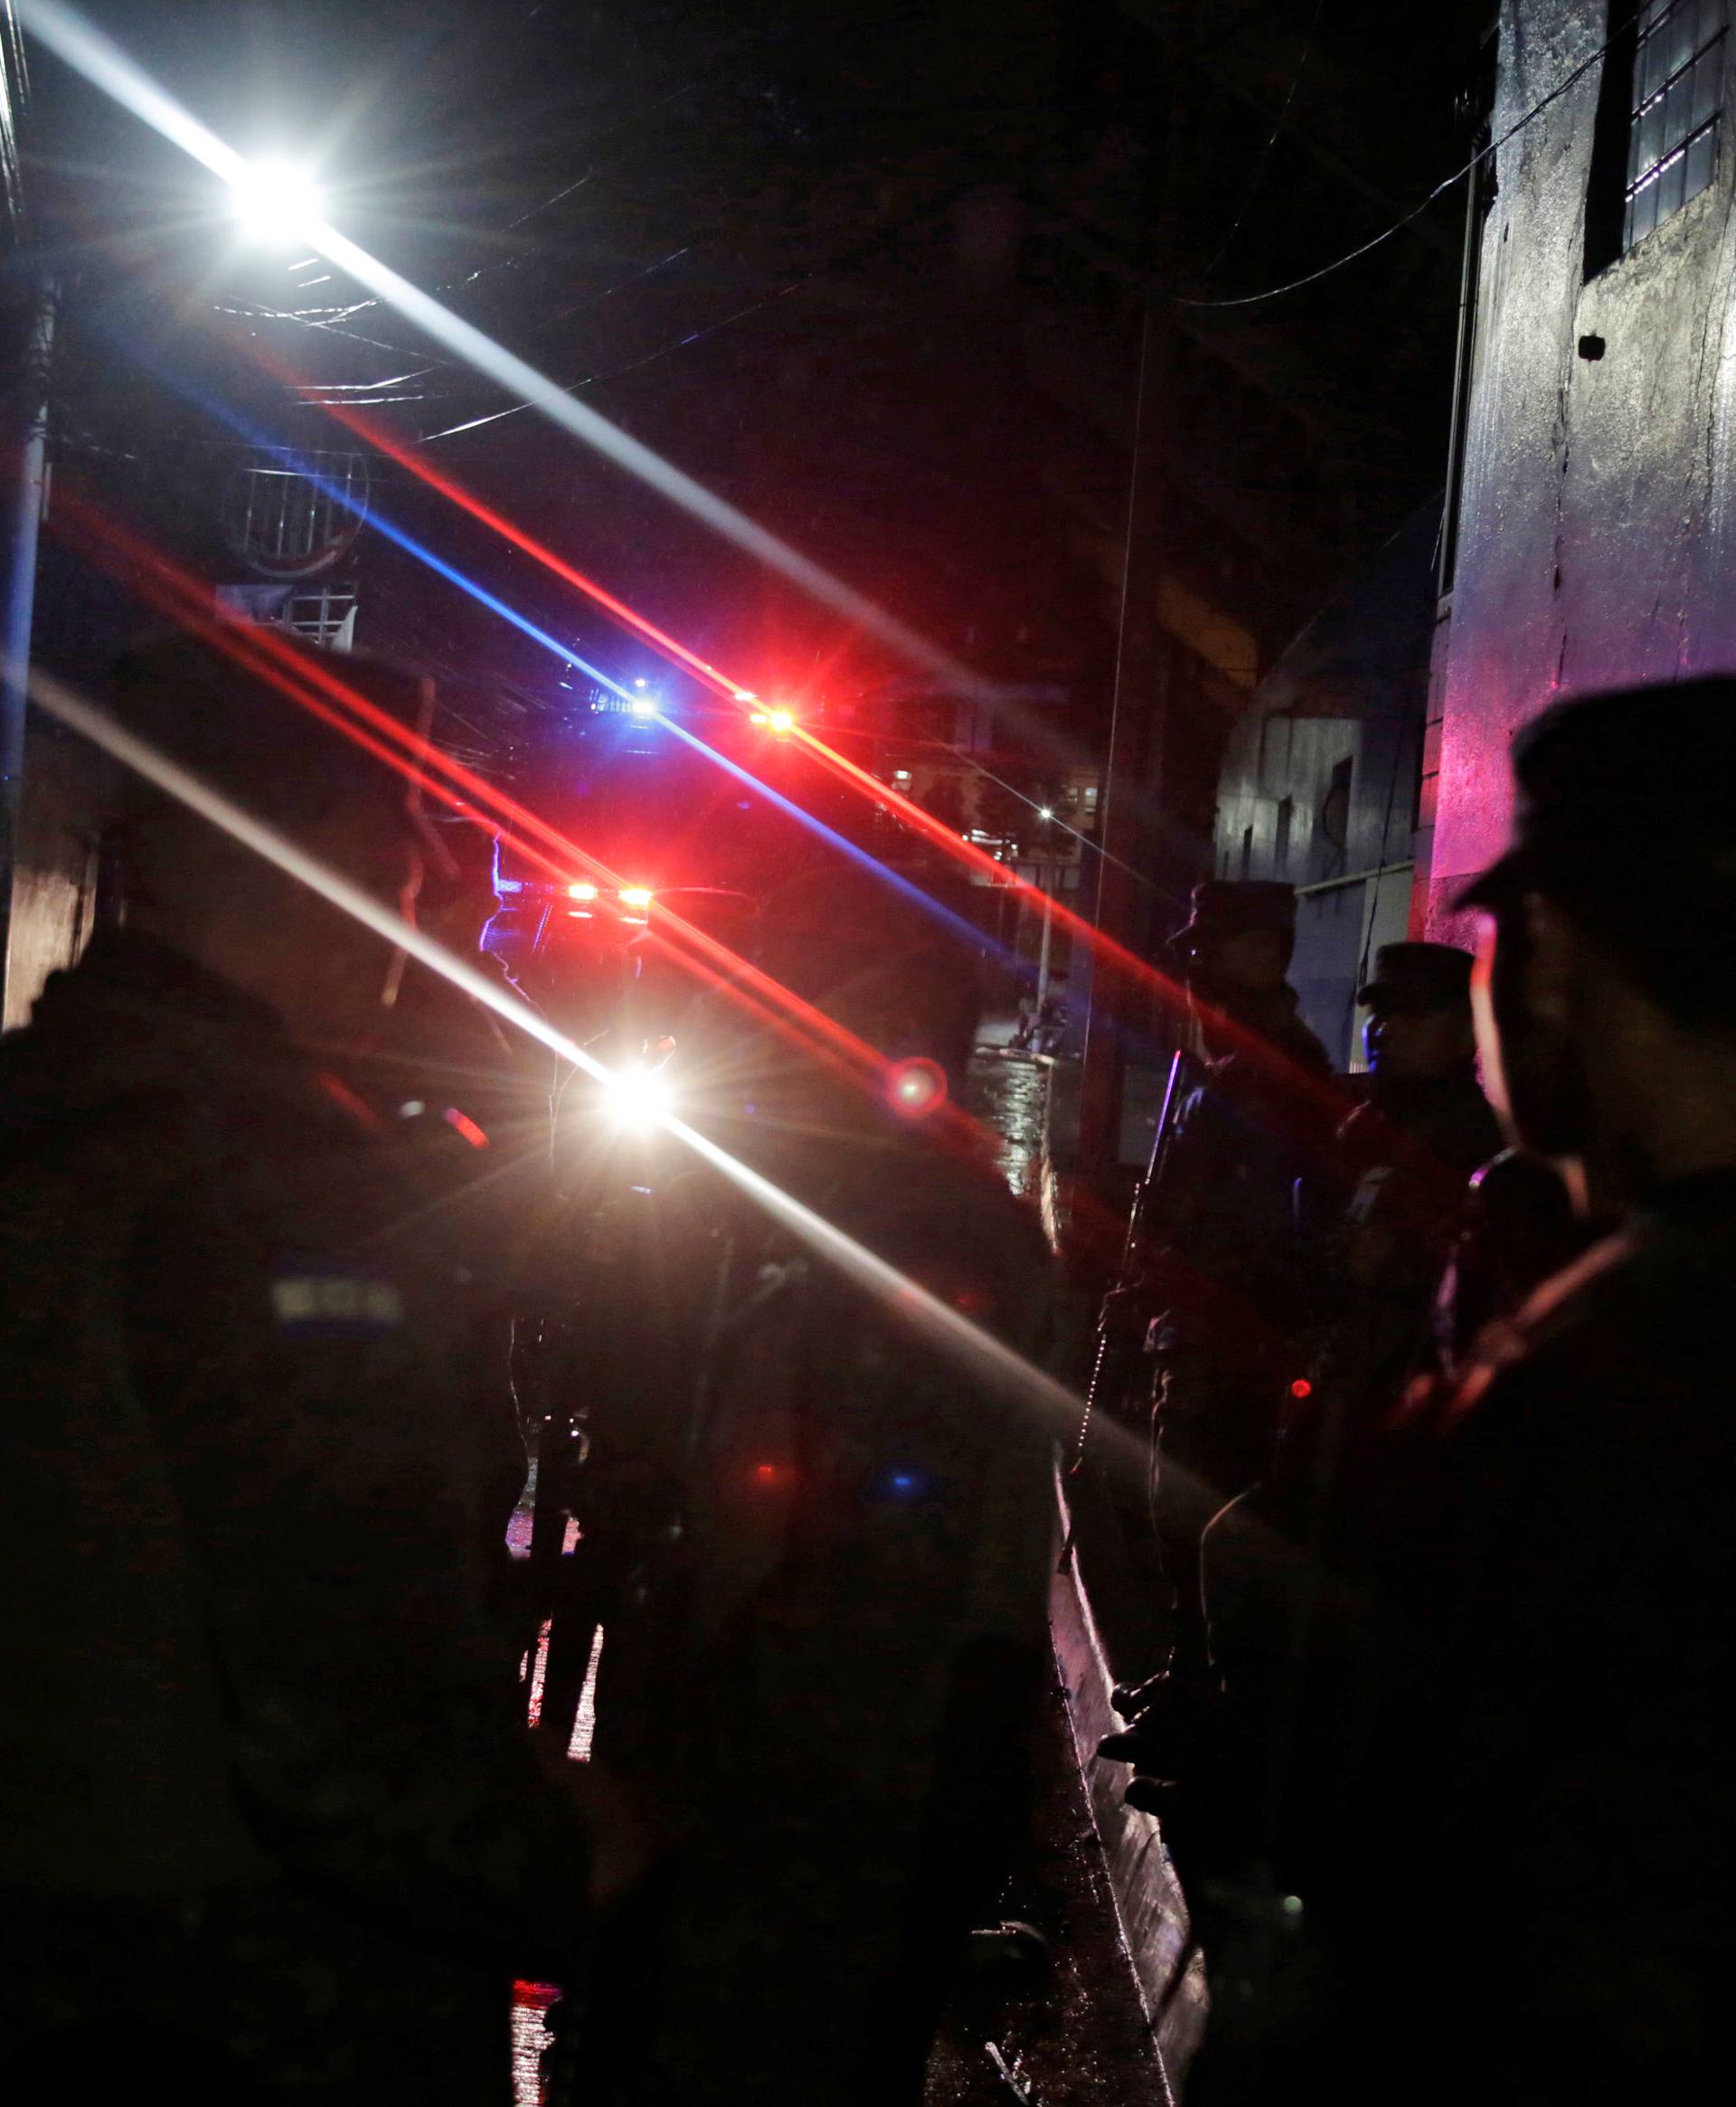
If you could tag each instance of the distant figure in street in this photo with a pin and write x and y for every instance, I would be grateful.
(1525, 1896)
(266, 1831)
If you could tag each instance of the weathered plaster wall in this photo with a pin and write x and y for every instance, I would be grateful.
(68, 789)
(1279, 757)
(1596, 529)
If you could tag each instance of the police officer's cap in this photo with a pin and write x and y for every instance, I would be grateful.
(1224, 908)
(1623, 806)
(1419, 977)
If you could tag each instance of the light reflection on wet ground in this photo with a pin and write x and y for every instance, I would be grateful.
(531, 2038)
(1084, 2041)
(1006, 1091)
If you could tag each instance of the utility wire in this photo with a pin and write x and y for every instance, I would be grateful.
(1265, 154)
(601, 379)
(1440, 189)
(787, 37)
(1046, 813)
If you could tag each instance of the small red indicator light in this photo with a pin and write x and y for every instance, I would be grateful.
(770, 1475)
(1301, 1388)
(916, 1088)
(464, 1126)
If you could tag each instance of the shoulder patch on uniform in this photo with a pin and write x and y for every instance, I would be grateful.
(334, 1299)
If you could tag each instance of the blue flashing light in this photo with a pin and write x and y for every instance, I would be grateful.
(369, 514)
(509, 884)
(966, 932)
(904, 1484)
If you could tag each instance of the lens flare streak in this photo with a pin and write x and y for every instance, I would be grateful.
(108, 66)
(261, 651)
(988, 1359)
(104, 63)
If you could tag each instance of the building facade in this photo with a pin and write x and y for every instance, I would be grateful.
(1593, 522)
(1319, 781)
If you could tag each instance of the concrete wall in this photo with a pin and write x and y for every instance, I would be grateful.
(68, 789)
(1597, 528)
(1355, 893)
(1275, 759)
(1168, 1968)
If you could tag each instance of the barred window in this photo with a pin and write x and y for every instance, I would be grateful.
(1675, 108)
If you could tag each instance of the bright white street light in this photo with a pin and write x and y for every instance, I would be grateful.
(276, 200)
(638, 1097)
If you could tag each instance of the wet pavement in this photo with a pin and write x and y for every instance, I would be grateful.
(1081, 2040)
(1006, 1091)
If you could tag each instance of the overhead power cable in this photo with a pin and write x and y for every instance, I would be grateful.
(1439, 191)
(1258, 169)
(601, 380)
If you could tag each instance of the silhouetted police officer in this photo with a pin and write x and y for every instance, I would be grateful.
(1407, 1155)
(1421, 1047)
(1528, 1894)
(267, 1832)
(1237, 1261)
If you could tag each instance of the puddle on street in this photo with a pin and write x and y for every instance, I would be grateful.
(1007, 1092)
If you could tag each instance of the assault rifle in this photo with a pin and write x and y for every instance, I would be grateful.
(1125, 1318)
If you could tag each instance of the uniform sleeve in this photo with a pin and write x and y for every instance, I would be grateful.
(1590, 1666)
(1189, 1169)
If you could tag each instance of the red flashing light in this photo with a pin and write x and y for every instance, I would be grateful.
(916, 1088)
(465, 1127)
(348, 1103)
(1301, 1388)
(1119, 963)
(771, 1477)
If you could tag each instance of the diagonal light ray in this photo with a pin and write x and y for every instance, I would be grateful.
(374, 432)
(317, 688)
(106, 65)
(987, 1360)
(346, 499)
(955, 923)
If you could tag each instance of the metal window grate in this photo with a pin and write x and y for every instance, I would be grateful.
(1677, 109)
(292, 515)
